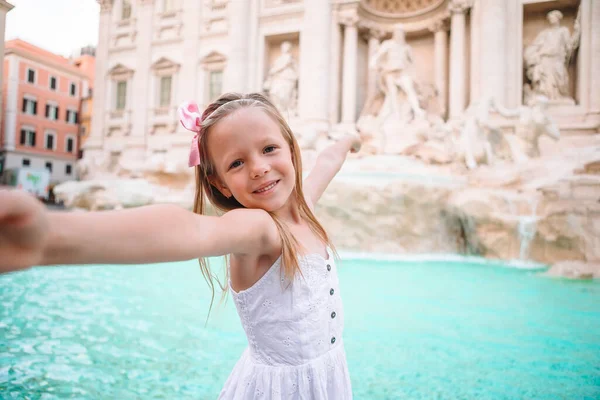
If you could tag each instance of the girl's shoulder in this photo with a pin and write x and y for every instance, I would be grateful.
(258, 223)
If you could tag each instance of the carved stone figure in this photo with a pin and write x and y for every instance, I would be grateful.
(282, 81)
(546, 61)
(481, 141)
(474, 143)
(393, 62)
(534, 122)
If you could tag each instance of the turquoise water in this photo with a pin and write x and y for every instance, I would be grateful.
(416, 330)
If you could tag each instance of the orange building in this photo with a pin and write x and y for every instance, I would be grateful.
(86, 62)
(42, 95)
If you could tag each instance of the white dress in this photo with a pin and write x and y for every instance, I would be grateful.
(295, 348)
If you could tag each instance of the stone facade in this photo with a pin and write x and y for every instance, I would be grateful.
(479, 118)
(155, 54)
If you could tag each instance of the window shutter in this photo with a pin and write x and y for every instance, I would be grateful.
(35, 108)
(57, 113)
(47, 110)
(67, 116)
(33, 141)
(76, 117)
(23, 136)
(24, 105)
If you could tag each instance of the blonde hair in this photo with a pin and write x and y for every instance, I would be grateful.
(225, 105)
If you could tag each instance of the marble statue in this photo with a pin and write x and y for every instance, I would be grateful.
(482, 141)
(534, 122)
(282, 81)
(393, 62)
(474, 143)
(547, 59)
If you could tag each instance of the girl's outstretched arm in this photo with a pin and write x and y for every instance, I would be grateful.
(328, 164)
(30, 235)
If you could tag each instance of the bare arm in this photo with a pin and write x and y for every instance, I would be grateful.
(328, 164)
(30, 235)
(151, 234)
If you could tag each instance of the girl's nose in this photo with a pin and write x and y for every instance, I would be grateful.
(260, 170)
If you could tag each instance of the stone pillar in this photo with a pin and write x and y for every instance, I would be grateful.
(458, 64)
(374, 38)
(349, 80)
(4, 8)
(594, 87)
(187, 89)
(336, 68)
(236, 75)
(140, 100)
(492, 49)
(101, 84)
(313, 93)
(440, 36)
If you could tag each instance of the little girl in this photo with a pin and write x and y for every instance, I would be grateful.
(282, 274)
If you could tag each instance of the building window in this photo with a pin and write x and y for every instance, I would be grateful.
(30, 75)
(52, 112)
(68, 169)
(83, 130)
(71, 117)
(70, 145)
(28, 137)
(121, 95)
(73, 89)
(165, 91)
(126, 9)
(49, 166)
(215, 85)
(53, 83)
(49, 141)
(26, 162)
(29, 106)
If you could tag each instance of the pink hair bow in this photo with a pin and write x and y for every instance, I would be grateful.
(190, 117)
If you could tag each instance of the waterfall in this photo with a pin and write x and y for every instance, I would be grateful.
(527, 228)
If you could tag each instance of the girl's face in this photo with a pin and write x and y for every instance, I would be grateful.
(252, 160)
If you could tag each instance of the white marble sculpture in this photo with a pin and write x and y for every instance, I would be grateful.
(547, 59)
(393, 62)
(282, 81)
(474, 144)
(482, 141)
(534, 122)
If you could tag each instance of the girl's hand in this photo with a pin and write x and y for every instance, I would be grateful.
(24, 230)
(356, 143)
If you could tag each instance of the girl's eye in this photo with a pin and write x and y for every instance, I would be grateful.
(235, 164)
(269, 149)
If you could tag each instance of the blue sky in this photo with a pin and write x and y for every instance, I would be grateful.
(60, 26)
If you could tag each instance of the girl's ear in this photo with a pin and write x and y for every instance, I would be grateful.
(216, 182)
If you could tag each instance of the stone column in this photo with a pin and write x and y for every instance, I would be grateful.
(101, 82)
(187, 85)
(349, 70)
(458, 64)
(492, 49)
(374, 38)
(140, 98)
(335, 72)
(440, 37)
(313, 93)
(594, 87)
(236, 75)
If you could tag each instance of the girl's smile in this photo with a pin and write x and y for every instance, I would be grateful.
(267, 188)
(253, 160)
